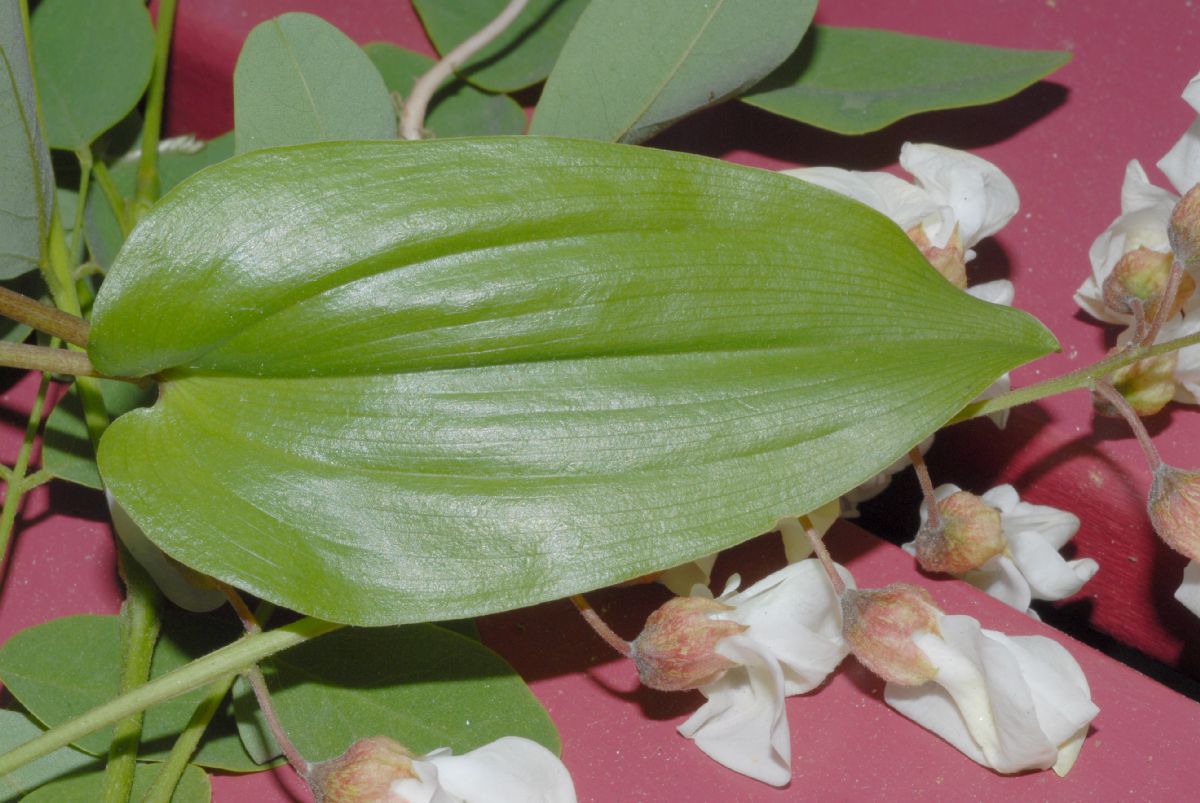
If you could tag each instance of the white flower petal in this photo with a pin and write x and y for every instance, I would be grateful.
(1049, 576)
(425, 788)
(508, 769)
(1056, 526)
(889, 195)
(1182, 163)
(1000, 579)
(681, 579)
(999, 292)
(744, 723)
(795, 615)
(796, 546)
(1189, 590)
(981, 197)
(1187, 367)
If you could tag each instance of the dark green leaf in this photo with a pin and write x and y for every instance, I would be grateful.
(632, 68)
(26, 179)
(103, 233)
(66, 449)
(856, 80)
(421, 685)
(17, 728)
(93, 60)
(65, 667)
(299, 79)
(194, 787)
(457, 109)
(521, 56)
(413, 381)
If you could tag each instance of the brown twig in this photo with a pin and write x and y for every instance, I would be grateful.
(602, 629)
(43, 317)
(818, 545)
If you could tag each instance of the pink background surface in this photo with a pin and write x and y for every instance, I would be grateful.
(1064, 143)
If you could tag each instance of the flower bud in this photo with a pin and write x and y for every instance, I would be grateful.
(879, 625)
(676, 650)
(1175, 509)
(1147, 385)
(968, 537)
(1142, 275)
(364, 773)
(949, 260)
(1183, 230)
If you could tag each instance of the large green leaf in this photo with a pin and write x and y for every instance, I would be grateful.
(16, 728)
(519, 57)
(632, 68)
(457, 109)
(93, 60)
(194, 787)
(65, 667)
(420, 684)
(26, 179)
(299, 79)
(856, 80)
(413, 381)
(67, 452)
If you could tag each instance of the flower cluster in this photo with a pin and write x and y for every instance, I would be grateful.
(1021, 560)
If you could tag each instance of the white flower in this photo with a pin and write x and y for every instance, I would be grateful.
(1010, 703)
(796, 546)
(1189, 591)
(1145, 211)
(1031, 568)
(680, 579)
(506, 770)
(792, 642)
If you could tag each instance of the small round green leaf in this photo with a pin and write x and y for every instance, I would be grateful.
(457, 109)
(92, 59)
(299, 79)
(857, 80)
(413, 381)
(521, 56)
(421, 685)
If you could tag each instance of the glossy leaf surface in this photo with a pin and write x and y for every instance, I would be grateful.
(856, 80)
(65, 667)
(26, 179)
(631, 68)
(194, 787)
(93, 60)
(16, 728)
(457, 109)
(299, 79)
(413, 381)
(421, 685)
(519, 57)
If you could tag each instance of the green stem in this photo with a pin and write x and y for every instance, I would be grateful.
(16, 485)
(84, 155)
(1083, 378)
(235, 657)
(148, 186)
(140, 626)
(39, 477)
(172, 769)
(115, 200)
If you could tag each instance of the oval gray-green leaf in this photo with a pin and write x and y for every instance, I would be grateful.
(16, 728)
(65, 667)
(194, 787)
(299, 79)
(857, 80)
(421, 685)
(93, 61)
(412, 381)
(26, 178)
(631, 68)
(457, 108)
(521, 56)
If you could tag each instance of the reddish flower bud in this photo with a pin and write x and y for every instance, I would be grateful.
(1147, 385)
(1142, 275)
(879, 625)
(1183, 230)
(1175, 509)
(968, 537)
(949, 260)
(364, 773)
(676, 650)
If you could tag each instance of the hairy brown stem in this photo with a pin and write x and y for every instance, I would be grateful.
(602, 629)
(1114, 397)
(818, 545)
(918, 461)
(48, 360)
(43, 317)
